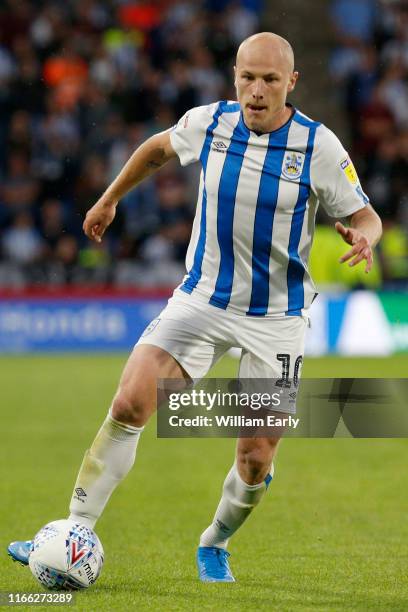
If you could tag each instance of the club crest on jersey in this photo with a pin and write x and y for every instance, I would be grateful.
(293, 165)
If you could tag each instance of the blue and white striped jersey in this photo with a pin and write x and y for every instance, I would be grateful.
(257, 202)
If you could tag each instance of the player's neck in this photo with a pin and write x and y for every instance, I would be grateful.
(281, 117)
(278, 120)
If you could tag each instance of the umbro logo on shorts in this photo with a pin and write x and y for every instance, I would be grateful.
(150, 327)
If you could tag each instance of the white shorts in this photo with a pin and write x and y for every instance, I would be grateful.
(197, 335)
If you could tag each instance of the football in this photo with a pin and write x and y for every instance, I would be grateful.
(66, 555)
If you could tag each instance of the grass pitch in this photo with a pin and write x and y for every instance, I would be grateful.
(331, 533)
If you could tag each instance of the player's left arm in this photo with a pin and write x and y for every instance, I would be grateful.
(363, 234)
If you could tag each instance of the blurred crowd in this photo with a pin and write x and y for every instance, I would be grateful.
(82, 84)
(369, 69)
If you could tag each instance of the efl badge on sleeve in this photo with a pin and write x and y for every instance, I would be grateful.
(293, 165)
(349, 170)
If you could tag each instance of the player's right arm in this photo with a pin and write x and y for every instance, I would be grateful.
(149, 157)
(184, 140)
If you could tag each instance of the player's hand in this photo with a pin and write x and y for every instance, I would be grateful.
(98, 218)
(361, 246)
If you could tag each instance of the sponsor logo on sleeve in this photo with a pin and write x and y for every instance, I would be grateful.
(352, 177)
(349, 170)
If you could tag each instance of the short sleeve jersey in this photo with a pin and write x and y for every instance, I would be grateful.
(256, 208)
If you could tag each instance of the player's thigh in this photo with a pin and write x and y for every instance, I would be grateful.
(195, 337)
(137, 394)
(178, 347)
(146, 364)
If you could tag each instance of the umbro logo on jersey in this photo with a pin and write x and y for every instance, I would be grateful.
(219, 146)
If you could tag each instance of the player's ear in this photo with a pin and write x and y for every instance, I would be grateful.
(235, 76)
(292, 81)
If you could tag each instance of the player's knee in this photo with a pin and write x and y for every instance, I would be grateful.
(133, 411)
(254, 463)
(252, 468)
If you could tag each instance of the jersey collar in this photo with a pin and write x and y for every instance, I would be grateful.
(282, 127)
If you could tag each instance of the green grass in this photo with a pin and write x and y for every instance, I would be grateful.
(331, 534)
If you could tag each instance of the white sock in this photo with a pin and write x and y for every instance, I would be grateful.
(104, 466)
(237, 502)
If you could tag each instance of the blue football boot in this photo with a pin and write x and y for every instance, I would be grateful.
(213, 566)
(20, 551)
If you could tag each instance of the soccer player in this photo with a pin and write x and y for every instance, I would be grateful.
(265, 168)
